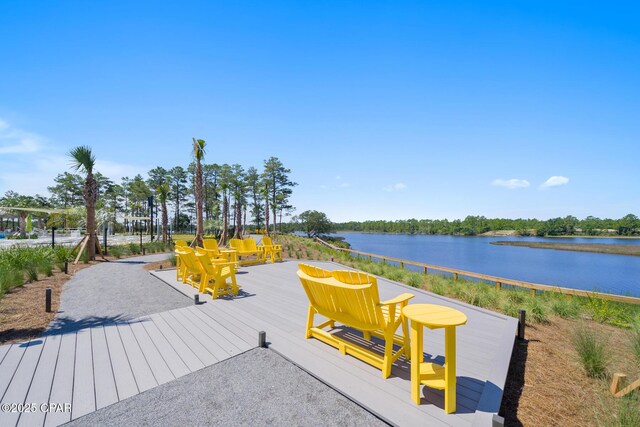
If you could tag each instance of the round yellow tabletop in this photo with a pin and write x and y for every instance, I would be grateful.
(434, 316)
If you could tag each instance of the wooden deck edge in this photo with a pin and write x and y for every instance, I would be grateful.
(493, 390)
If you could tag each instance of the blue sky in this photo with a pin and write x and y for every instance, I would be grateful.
(383, 110)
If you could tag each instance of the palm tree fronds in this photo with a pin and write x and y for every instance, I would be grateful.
(198, 148)
(82, 158)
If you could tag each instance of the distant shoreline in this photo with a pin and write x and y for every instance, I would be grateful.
(500, 233)
(601, 248)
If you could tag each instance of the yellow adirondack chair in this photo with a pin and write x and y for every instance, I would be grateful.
(357, 306)
(270, 250)
(215, 275)
(191, 271)
(314, 271)
(246, 248)
(179, 244)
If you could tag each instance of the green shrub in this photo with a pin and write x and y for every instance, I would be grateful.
(172, 259)
(396, 275)
(414, 279)
(116, 251)
(536, 311)
(635, 339)
(134, 248)
(511, 309)
(61, 254)
(439, 288)
(628, 411)
(565, 307)
(85, 256)
(592, 351)
(515, 296)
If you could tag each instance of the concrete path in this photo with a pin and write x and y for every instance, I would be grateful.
(112, 292)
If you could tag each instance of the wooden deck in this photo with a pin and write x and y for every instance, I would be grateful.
(96, 367)
(274, 301)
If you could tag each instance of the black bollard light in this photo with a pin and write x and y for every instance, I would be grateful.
(196, 299)
(47, 300)
(521, 324)
(262, 339)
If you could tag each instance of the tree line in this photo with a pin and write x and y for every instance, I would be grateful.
(628, 225)
(232, 198)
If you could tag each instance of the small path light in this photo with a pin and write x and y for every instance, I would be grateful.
(262, 339)
(47, 300)
(521, 324)
(196, 299)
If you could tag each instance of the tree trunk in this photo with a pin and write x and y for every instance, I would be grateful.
(238, 231)
(22, 221)
(90, 195)
(199, 197)
(225, 219)
(165, 222)
(266, 216)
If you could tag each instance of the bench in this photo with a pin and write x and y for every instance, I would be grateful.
(246, 248)
(357, 305)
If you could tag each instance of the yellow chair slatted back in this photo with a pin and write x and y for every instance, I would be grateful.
(180, 243)
(211, 244)
(266, 241)
(354, 305)
(354, 277)
(236, 244)
(191, 269)
(314, 271)
(250, 245)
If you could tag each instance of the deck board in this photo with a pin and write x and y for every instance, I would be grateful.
(183, 350)
(104, 380)
(122, 373)
(84, 395)
(23, 377)
(62, 387)
(40, 388)
(171, 357)
(157, 364)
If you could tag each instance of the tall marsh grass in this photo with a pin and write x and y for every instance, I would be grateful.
(592, 351)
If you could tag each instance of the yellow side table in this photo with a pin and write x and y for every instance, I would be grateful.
(431, 374)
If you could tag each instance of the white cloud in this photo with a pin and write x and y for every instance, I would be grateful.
(16, 141)
(395, 187)
(511, 183)
(34, 162)
(344, 185)
(555, 181)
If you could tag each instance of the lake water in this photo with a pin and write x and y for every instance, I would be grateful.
(619, 274)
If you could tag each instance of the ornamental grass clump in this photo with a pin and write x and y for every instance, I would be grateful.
(116, 251)
(592, 351)
(414, 280)
(565, 307)
(61, 255)
(536, 310)
(635, 339)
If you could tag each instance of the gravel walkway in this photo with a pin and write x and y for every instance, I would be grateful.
(113, 291)
(257, 388)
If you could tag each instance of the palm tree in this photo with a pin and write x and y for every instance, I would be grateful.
(198, 155)
(82, 159)
(163, 194)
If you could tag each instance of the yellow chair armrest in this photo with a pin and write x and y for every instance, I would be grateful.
(400, 298)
